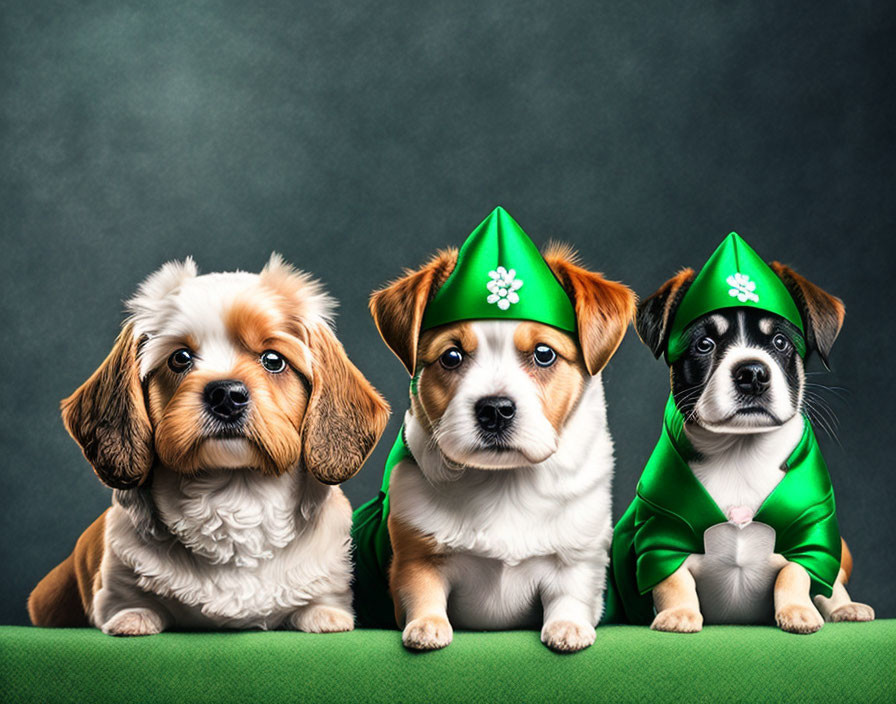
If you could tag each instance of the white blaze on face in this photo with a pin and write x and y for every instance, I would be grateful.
(196, 309)
(719, 403)
(496, 369)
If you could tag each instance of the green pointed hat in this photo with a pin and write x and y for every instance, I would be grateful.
(500, 274)
(734, 276)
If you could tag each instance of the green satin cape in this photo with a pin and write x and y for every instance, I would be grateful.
(671, 510)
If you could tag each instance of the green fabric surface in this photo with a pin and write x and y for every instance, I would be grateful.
(843, 662)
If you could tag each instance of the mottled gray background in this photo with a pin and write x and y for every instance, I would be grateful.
(356, 138)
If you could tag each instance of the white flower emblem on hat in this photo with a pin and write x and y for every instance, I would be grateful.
(742, 287)
(503, 287)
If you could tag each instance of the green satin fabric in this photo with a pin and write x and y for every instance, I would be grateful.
(373, 550)
(499, 241)
(711, 290)
(671, 511)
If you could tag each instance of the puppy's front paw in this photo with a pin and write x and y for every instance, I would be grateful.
(427, 633)
(853, 611)
(322, 619)
(567, 636)
(796, 618)
(680, 620)
(133, 622)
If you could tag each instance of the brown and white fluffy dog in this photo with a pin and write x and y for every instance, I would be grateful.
(223, 416)
(502, 519)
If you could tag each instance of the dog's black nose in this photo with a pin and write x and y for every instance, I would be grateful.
(495, 413)
(226, 399)
(752, 378)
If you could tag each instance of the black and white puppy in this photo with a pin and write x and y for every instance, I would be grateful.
(741, 388)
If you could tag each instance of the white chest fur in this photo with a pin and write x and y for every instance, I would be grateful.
(735, 574)
(244, 551)
(509, 532)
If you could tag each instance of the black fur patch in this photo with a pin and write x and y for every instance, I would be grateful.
(693, 369)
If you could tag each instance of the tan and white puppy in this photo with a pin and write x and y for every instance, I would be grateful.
(502, 519)
(223, 416)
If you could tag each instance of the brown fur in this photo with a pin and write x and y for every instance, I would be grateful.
(436, 384)
(845, 561)
(64, 597)
(107, 417)
(822, 313)
(655, 313)
(414, 575)
(561, 384)
(603, 308)
(341, 428)
(289, 426)
(398, 308)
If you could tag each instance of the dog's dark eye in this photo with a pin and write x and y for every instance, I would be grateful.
(705, 345)
(180, 360)
(451, 358)
(780, 342)
(544, 356)
(272, 361)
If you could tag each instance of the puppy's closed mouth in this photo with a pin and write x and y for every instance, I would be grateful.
(734, 422)
(754, 411)
(224, 435)
(229, 452)
(495, 457)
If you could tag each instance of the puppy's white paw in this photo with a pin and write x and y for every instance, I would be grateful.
(680, 620)
(322, 619)
(796, 618)
(853, 611)
(427, 633)
(134, 622)
(567, 636)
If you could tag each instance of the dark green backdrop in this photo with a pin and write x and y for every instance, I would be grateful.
(357, 138)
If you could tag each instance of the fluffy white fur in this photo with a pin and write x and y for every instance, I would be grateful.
(244, 551)
(529, 544)
(228, 547)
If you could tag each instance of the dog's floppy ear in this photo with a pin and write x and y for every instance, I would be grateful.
(822, 313)
(603, 308)
(107, 417)
(398, 308)
(656, 312)
(345, 415)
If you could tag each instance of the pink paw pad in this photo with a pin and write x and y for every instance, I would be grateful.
(739, 515)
